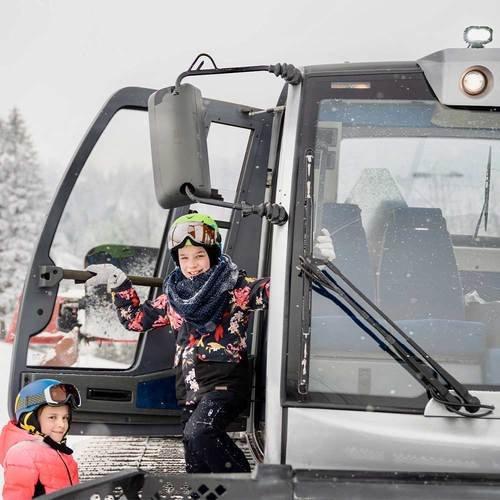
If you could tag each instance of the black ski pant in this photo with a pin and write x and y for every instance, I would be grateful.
(207, 446)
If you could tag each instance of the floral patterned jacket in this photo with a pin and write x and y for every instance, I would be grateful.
(205, 362)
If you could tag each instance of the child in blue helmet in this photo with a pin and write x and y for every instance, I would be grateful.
(33, 448)
(207, 302)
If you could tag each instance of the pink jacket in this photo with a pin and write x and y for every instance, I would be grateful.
(27, 459)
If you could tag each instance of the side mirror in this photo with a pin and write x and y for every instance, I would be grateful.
(178, 144)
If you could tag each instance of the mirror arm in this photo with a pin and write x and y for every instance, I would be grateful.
(288, 72)
(274, 213)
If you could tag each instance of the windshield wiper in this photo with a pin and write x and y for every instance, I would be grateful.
(486, 202)
(428, 372)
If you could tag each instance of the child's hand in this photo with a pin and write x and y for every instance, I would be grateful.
(324, 246)
(106, 274)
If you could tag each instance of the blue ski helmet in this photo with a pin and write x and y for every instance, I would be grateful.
(43, 392)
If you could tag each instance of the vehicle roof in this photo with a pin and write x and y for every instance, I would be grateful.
(362, 68)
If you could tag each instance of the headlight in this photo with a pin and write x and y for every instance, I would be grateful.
(474, 81)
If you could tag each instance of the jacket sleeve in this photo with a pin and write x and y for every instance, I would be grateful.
(136, 316)
(255, 292)
(20, 475)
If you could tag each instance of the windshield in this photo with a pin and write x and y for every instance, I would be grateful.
(409, 191)
(442, 173)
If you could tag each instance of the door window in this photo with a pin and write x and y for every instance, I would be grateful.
(111, 216)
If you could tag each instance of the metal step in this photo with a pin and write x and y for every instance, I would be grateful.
(104, 455)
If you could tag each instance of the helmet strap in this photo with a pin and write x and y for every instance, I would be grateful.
(62, 447)
(29, 422)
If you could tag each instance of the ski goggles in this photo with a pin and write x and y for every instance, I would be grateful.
(60, 394)
(196, 231)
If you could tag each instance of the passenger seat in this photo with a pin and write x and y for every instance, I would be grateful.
(343, 221)
(418, 276)
(418, 286)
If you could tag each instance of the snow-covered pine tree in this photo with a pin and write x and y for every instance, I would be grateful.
(23, 203)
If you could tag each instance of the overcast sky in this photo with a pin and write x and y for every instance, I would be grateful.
(61, 59)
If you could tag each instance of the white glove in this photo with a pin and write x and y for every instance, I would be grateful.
(324, 246)
(106, 274)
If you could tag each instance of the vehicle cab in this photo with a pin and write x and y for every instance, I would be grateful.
(385, 359)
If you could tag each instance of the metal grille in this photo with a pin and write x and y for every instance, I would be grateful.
(108, 454)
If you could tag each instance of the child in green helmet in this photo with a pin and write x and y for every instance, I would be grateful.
(207, 302)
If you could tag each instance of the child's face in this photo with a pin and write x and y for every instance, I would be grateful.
(193, 260)
(54, 421)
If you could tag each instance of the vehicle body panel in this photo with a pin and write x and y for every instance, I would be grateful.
(371, 441)
(277, 304)
(280, 482)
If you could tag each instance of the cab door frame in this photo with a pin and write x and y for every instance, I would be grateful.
(112, 411)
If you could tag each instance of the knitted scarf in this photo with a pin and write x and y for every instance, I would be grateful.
(201, 300)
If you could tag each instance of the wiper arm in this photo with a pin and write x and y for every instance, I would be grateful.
(486, 202)
(417, 362)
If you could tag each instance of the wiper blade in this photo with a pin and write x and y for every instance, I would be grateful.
(486, 202)
(416, 361)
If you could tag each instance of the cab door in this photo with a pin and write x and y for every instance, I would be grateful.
(105, 210)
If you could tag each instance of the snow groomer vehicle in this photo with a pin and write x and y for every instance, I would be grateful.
(376, 374)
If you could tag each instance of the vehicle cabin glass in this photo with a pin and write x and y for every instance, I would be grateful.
(121, 223)
(108, 217)
(400, 182)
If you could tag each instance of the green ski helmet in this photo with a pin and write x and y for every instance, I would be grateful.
(195, 229)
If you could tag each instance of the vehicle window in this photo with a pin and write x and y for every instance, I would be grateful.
(408, 192)
(226, 152)
(105, 220)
